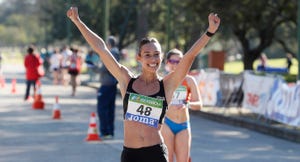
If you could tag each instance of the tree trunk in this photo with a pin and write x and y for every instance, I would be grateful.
(249, 58)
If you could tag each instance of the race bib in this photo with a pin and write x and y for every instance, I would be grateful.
(144, 109)
(179, 96)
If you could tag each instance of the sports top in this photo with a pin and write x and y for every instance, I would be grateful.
(149, 110)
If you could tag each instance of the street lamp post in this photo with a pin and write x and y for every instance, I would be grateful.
(105, 19)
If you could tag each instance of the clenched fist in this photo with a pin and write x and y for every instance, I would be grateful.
(72, 13)
(214, 22)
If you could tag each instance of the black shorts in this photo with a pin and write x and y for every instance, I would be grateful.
(156, 153)
(73, 72)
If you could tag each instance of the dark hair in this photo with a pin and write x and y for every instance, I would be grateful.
(30, 49)
(112, 41)
(172, 52)
(146, 41)
(74, 49)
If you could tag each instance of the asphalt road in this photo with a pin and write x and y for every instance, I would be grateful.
(29, 135)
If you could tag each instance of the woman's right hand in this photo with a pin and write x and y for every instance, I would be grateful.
(72, 13)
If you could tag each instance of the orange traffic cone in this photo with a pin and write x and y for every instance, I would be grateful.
(56, 109)
(13, 86)
(92, 131)
(38, 102)
(2, 81)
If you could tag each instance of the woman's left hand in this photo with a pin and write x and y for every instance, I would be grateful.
(214, 22)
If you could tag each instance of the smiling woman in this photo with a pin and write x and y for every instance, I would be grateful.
(142, 120)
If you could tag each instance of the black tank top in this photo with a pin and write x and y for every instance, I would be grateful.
(158, 95)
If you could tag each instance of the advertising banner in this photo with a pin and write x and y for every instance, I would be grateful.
(209, 84)
(257, 91)
(284, 104)
(231, 90)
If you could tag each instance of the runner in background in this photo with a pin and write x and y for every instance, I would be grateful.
(176, 129)
(74, 70)
(65, 63)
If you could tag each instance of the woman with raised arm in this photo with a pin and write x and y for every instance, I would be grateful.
(145, 97)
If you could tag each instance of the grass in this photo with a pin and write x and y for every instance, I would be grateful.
(14, 57)
(237, 67)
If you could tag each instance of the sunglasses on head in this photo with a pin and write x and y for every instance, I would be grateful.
(173, 61)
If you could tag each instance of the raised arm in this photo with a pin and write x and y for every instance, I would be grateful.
(175, 78)
(97, 43)
(195, 100)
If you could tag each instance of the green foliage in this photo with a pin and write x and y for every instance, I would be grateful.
(123, 21)
(290, 78)
(257, 30)
(53, 19)
(247, 27)
(20, 30)
(19, 24)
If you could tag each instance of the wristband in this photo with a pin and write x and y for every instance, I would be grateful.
(209, 34)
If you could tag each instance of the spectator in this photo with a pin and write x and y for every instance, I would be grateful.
(107, 94)
(289, 62)
(45, 55)
(92, 62)
(263, 61)
(31, 63)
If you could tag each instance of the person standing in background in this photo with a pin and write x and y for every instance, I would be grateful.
(45, 55)
(92, 62)
(31, 63)
(176, 129)
(289, 62)
(263, 61)
(107, 94)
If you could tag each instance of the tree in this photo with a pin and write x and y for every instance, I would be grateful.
(53, 19)
(123, 21)
(261, 26)
(256, 24)
(19, 25)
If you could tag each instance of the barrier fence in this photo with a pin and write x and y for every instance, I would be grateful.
(269, 96)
